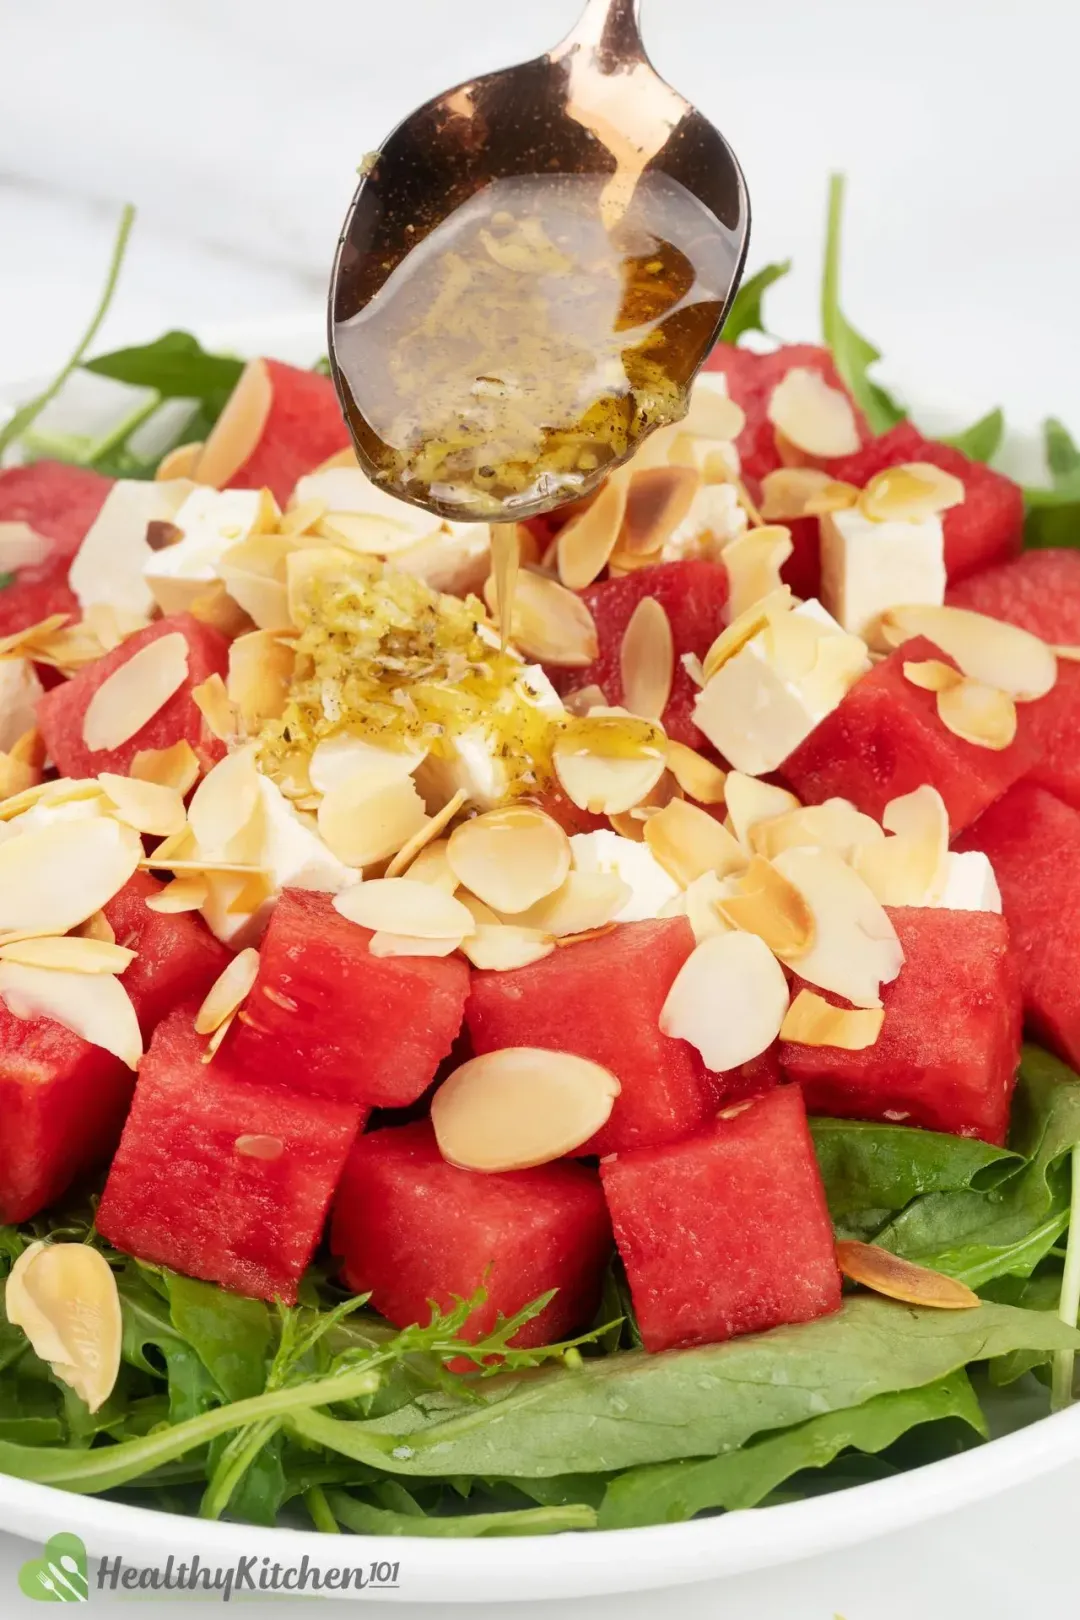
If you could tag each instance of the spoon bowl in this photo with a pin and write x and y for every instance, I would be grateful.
(594, 109)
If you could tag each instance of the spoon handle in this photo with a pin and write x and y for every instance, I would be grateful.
(610, 30)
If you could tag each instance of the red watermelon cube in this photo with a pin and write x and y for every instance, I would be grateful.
(1033, 842)
(601, 999)
(693, 594)
(948, 1050)
(752, 1079)
(326, 1016)
(884, 739)
(412, 1229)
(59, 503)
(987, 527)
(726, 1232)
(219, 1177)
(177, 957)
(303, 427)
(1040, 592)
(751, 379)
(61, 711)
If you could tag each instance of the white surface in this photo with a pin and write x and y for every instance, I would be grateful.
(237, 128)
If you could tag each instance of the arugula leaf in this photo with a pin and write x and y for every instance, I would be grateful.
(22, 419)
(616, 1412)
(853, 354)
(176, 366)
(6, 579)
(982, 440)
(667, 1493)
(882, 1168)
(365, 1520)
(745, 314)
(1062, 454)
(1069, 1299)
(1053, 515)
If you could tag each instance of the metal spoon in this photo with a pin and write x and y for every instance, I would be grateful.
(593, 105)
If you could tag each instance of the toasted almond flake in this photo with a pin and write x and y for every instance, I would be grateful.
(813, 1021)
(699, 904)
(932, 675)
(384, 944)
(179, 462)
(261, 666)
(482, 915)
(403, 906)
(657, 501)
(510, 858)
(548, 623)
(728, 1000)
(330, 567)
(712, 414)
(258, 1146)
(501, 947)
(69, 953)
(263, 600)
(647, 660)
(430, 831)
(214, 1043)
(64, 1298)
(198, 864)
(32, 634)
(217, 608)
(94, 1005)
(363, 822)
(520, 1106)
(430, 865)
(586, 903)
(212, 700)
(585, 699)
(795, 492)
(910, 868)
(228, 991)
(697, 776)
(22, 767)
(836, 824)
(910, 492)
(182, 894)
(54, 877)
(813, 417)
(587, 541)
(48, 793)
(687, 842)
(344, 757)
(144, 805)
(978, 714)
(855, 949)
(987, 650)
(740, 630)
(631, 823)
(505, 564)
(1069, 655)
(223, 808)
(97, 926)
(607, 763)
(586, 933)
(253, 892)
(898, 1278)
(129, 698)
(767, 905)
(239, 427)
(176, 767)
(753, 562)
(750, 802)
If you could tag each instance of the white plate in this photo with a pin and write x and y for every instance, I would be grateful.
(564, 1566)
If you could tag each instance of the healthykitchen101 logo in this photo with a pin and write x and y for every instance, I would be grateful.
(59, 1575)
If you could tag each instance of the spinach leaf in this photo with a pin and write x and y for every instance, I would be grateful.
(230, 1334)
(982, 440)
(665, 1493)
(882, 1168)
(152, 1344)
(617, 1412)
(1053, 515)
(175, 366)
(365, 1520)
(745, 314)
(853, 354)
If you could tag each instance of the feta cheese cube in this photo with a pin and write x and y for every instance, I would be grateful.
(212, 521)
(348, 489)
(715, 518)
(455, 558)
(476, 766)
(19, 692)
(970, 884)
(758, 707)
(868, 567)
(651, 888)
(110, 564)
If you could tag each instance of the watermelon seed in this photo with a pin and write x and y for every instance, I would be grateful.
(267, 1148)
(286, 1003)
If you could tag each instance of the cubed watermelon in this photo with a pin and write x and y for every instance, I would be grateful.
(413, 1229)
(885, 739)
(219, 1177)
(948, 1050)
(987, 527)
(177, 957)
(63, 1103)
(751, 379)
(1040, 592)
(693, 594)
(726, 1232)
(601, 998)
(61, 711)
(60, 503)
(1033, 841)
(328, 1017)
(304, 428)
(751, 1079)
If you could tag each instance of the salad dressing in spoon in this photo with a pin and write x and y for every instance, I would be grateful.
(530, 275)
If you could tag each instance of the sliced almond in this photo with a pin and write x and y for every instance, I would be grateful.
(520, 1106)
(212, 700)
(697, 776)
(131, 696)
(223, 807)
(609, 763)
(222, 612)
(657, 501)
(795, 492)
(586, 903)
(978, 714)
(836, 824)
(307, 572)
(65, 1299)
(910, 492)
(687, 842)
(815, 418)
(54, 877)
(179, 462)
(403, 906)
(587, 541)
(549, 623)
(93, 1005)
(750, 801)
(19, 641)
(813, 1021)
(97, 926)
(753, 563)
(767, 905)
(213, 1045)
(363, 823)
(713, 414)
(647, 660)
(238, 429)
(228, 991)
(897, 1278)
(510, 858)
(502, 947)
(987, 650)
(505, 564)
(855, 949)
(728, 1000)
(69, 953)
(698, 903)
(910, 868)
(144, 805)
(176, 767)
(261, 666)
(932, 675)
(740, 630)
(384, 944)
(436, 824)
(1068, 655)
(182, 894)
(432, 866)
(585, 699)
(344, 757)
